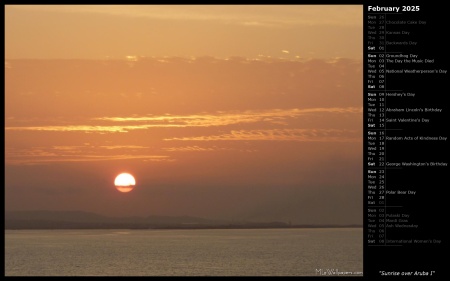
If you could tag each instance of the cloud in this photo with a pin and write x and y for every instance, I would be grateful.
(259, 24)
(122, 146)
(273, 116)
(230, 118)
(87, 128)
(88, 153)
(203, 149)
(303, 135)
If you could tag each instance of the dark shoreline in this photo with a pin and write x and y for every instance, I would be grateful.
(178, 227)
(16, 220)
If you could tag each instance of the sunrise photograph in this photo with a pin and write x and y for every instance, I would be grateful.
(183, 140)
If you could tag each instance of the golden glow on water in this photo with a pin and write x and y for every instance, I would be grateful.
(199, 252)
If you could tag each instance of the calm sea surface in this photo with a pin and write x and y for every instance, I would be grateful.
(224, 252)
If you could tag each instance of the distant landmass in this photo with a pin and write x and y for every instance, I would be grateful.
(87, 220)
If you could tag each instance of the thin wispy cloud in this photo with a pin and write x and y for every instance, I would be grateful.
(87, 153)
(274, 116)
(196, 148)
(122, 146)
(89, 129)
(42, 158)
(233, 117)
(303, 135)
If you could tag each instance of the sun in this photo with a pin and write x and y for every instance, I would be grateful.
(124, 182)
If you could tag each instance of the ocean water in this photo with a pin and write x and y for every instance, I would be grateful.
(212, 252)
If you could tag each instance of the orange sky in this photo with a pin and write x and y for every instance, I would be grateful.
(238, 112)
(101, 31)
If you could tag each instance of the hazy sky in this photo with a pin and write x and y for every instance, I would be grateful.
(117, 31)
(237, 112)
